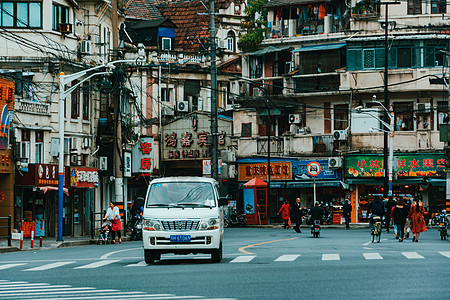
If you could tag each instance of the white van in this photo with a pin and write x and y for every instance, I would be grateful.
(182, 215)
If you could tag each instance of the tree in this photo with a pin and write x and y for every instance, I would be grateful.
(254, 23)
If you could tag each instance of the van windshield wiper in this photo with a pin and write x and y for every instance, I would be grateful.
(164, 205)
(195, 204)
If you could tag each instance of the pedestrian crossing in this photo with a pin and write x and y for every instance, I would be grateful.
(43, 291)
(239, 259)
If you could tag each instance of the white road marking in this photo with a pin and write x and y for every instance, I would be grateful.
(141, 296)
(446, 254)
(367, 244)
(10, 282)
(50, 266)
(98, 264)
(118, 251)
(55, 291)
(331, 257)
(288, 257)
(34, 286)
(367, 248)
(8, 266)
(243, 259)
(139, 264)
(412, 255)
(372, 256)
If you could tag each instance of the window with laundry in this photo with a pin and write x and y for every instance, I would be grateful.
(404, 116)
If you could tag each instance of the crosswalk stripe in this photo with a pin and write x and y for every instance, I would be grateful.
(69, 290)
(8, 266)
(331, 257)
(33, 286)
(372, 256)
(98, 264)
(153, 297)
(50, 266)
(412, 255)
(139, 264)
(11, 282)
(288, 257)
(243, 259)
(446, 254)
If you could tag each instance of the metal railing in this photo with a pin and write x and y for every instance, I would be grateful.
(33, 107)
(96, 217)
(9, 236)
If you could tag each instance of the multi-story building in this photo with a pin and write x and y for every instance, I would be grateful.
(317, 74)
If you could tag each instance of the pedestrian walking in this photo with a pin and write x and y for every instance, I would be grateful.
(347, 213)
(390, 203)
(297, 215)
(417, 222)
(113, 215)
(399, 218)
(284, 210)
(407, 229)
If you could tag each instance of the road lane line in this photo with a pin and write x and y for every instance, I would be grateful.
(288, 257)
(446, 254)
(105, 256)
(331, 257)
(412, 255)
(243, 259)
(242, 249)
(12, 282)
(367, 244)
(8, 266)
(50, 266)
(34, 286)
(155, 297)
(372, 256)
(98, 264)
(53, 291)
(139, 264)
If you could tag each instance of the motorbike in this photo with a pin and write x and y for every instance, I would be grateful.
(136, 231)
(315, 229)
(442, 224)
(231, 218)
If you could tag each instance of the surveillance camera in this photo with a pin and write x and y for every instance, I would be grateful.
(374, 97)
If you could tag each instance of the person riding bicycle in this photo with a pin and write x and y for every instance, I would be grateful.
(376, 207)
(317, 213)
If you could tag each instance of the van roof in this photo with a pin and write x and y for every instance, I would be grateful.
(184, 179)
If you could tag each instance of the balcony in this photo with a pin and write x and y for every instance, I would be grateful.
(33, 107)
(316, 82)
(323, 143)
(276, 145)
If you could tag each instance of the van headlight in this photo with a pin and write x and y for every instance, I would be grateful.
(152, 225)
(209, 224)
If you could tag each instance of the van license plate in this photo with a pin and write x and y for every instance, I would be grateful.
(180, 238)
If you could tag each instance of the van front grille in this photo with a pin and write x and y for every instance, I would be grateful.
(180, 225)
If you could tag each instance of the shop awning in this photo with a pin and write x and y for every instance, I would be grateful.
(270, 49)
(437, 181)
(310, 183)
(273, 185)
(379, 181)
(53, 188)
(320, 47)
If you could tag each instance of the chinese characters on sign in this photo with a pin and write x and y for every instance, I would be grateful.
(47, 174)
(278, 171)
(83, 177)
(5, 163)
(404, 165)
(143, 155)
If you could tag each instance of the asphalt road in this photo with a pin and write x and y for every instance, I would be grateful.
(258, 264)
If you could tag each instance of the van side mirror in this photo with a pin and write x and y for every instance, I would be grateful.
(223, 201)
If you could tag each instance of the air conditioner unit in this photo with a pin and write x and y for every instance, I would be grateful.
(74, 160)
(422, 108)
(102, 163)
(228, 156)
(167, 111)
(86, 47)
(340, 135)
(335, 162)
(183, 106)
(65, 28)
(295, 119)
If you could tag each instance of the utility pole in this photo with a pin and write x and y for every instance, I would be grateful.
(214, 104)
(118, 182)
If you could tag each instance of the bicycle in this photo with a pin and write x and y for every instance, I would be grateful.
(376, 232)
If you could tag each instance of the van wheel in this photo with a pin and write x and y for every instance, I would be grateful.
(216, 255)
(150, 256)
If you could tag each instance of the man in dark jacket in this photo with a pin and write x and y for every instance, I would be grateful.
(297, 215)
(376, 207)
(390, 203)
(347, 212)
(317, 213)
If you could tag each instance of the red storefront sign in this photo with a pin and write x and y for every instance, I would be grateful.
(39, 175)
(278, 171)
(5, 161)
(142, 158)
(84, 177)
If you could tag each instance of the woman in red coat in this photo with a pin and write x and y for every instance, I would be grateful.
(417, 222)
(284, 210)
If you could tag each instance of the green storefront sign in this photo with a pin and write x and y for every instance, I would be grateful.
(407, 165)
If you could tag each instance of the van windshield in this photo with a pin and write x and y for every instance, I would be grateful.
(181, 194)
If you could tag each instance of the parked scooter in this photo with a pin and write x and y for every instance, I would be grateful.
(136, 232)
(443, 223)
(315, 229)
(231, 218)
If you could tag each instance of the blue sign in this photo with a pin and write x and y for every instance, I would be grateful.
(40, 228)
(249, 201)
(299, 170)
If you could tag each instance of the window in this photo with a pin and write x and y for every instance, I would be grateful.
(340, 116)
(230, 41)
(438, 6)
(166, 94)
(434, 57)
(39, 147)
(166, 44)
(75, 101)
(414, 7)
(60, 16)
(24, 145)
(21, 14)
(442, 111)
(256, 67)
(246, 129)
(403, 114)
(403, 57)
(86, 96)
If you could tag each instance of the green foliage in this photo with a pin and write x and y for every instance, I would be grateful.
(251, 40)
(255, 31)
